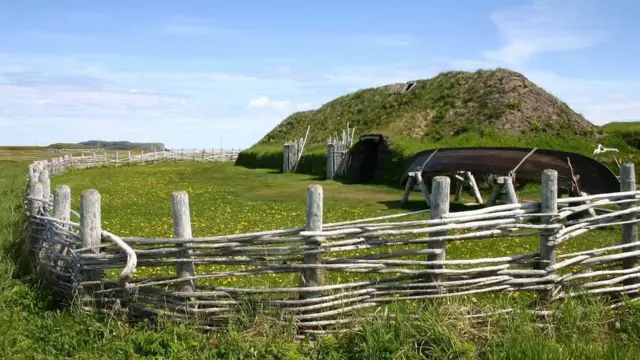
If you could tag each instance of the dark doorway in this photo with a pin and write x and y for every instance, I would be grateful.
(366, 155)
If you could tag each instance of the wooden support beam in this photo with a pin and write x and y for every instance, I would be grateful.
(423, 187)
(512, 197)
(411, 182)
(459, 185)
(495, 193)
(474, 186)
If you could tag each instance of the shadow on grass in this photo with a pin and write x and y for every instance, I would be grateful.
(420, 204)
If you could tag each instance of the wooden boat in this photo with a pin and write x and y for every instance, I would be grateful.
(528, 163)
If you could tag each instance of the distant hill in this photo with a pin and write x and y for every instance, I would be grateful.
(111, 145)
(447, 105)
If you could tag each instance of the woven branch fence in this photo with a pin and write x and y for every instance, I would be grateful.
(400, 260)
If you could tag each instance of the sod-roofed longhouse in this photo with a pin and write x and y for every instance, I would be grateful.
(485, 108)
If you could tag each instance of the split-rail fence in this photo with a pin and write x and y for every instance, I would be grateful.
(399, 259)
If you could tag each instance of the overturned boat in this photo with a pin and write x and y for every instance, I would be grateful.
(523, 164)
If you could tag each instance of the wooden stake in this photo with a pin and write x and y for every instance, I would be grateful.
(629, 231)
(182, 230)
(44, 179)
(313, 277)
(330, 172)
(549, 205)
(62, 211)
(91, 228)
(439, 207)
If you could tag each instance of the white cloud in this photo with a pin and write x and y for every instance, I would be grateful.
(262, 101)
(544, 26)
(278, 105)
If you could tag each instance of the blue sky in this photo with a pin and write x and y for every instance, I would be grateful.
(193, 73)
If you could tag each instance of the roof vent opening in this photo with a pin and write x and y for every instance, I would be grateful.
(408, 86)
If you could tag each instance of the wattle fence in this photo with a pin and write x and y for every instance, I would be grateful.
(323, 276)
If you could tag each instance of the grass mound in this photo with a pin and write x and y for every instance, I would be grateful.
(447, 105)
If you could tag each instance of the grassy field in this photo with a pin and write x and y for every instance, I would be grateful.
(228, 199)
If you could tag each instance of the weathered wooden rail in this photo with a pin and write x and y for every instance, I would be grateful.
(398, 259)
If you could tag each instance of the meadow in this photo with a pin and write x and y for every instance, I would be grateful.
(224, 199)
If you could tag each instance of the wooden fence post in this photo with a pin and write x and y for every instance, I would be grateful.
(33, 177)
(62, 212)
(313, 277)
(35, 209)
(35, 191)
(286, 152)
(330, 161)
(549, 204)
(62, 204)
(182, 230)
(117, 152)
(44, 179)
(629, 231)
(293, 157)
(91, 228)
(440, 188)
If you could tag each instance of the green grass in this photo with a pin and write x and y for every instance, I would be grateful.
(227, 199)
(628, 131)
(621, 126)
